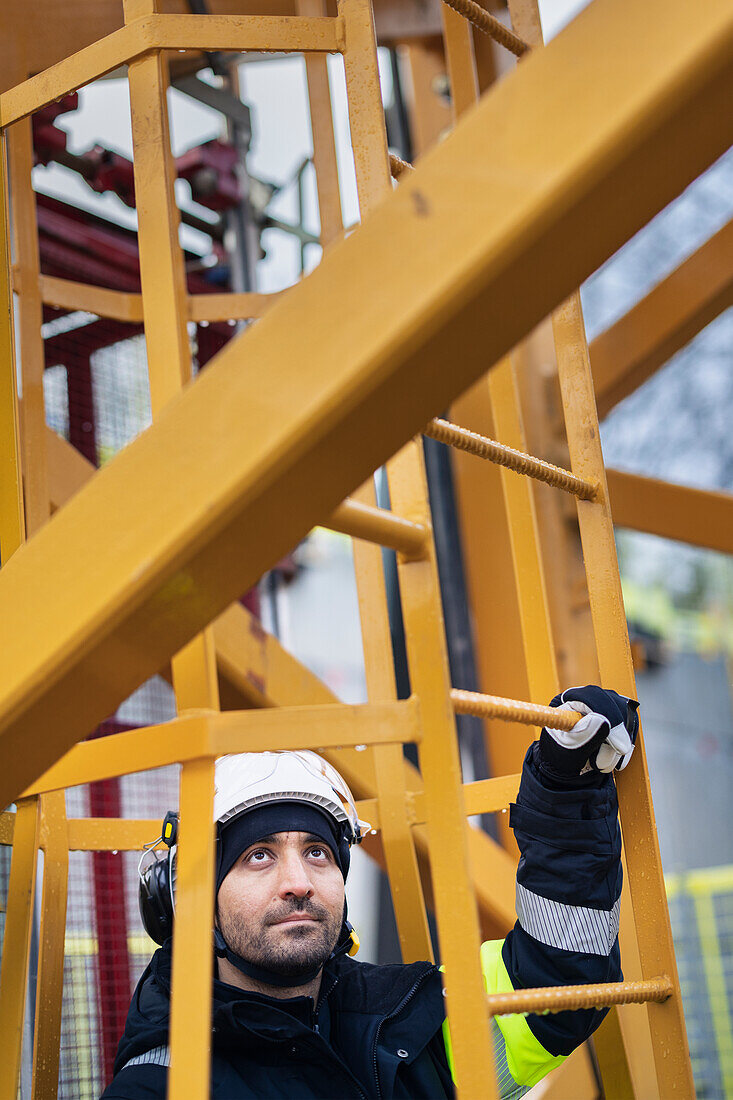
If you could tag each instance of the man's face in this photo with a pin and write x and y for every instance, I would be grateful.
(281, 905)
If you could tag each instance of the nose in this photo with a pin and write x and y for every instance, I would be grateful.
(295, 880)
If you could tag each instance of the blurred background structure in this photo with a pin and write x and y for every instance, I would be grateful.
(660, 326)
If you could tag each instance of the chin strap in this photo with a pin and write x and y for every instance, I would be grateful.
(348, 944)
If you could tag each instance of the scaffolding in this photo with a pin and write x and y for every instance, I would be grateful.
(540, 179)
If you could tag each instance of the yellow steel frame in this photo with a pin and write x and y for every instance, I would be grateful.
(174, 518)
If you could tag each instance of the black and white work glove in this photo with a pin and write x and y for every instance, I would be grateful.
(601, 741)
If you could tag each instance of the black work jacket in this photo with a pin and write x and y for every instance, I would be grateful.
(374, 1035)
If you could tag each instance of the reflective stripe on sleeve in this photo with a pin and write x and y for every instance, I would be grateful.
(568, 927)
(158, 1056)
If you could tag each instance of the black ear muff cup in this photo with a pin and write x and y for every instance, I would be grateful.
(154, 896)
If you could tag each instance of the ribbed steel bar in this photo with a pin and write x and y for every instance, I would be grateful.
(521, 463)
(523, 1002)
(489, 24)
(512, 710)
(362, 521)
(397, 166)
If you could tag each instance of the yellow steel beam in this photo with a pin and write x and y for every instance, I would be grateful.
(255, 670)
(260, 33)
(229, 307)
(646, 930)
(670, 315)
(201, 735)
(16, 942)
(160, 541)
(66, 294)
(12, 520)
(701, 517)
(69, 471)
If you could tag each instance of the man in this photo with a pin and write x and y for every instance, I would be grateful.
(294, 1016)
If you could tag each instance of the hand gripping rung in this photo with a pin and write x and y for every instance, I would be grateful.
(511, 710)
(567, 998)
(490, 25)
(521, 463)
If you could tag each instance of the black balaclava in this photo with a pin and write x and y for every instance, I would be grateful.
(265, 820)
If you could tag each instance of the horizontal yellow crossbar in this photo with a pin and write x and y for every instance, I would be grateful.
(512, 710)
(362, 521)
(196, 736)
(230, 307)
(97, 834)
(259, 33)
(564, 998)
(486, 796)
(67, 294)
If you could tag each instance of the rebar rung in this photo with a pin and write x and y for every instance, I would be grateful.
(490, 25)
(363, 521)
(521, 463)
(524, 1002)
(398, 166)
(511, 710)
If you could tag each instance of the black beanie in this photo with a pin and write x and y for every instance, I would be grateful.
(277, 817)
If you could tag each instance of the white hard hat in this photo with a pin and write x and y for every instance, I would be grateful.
(249, 779)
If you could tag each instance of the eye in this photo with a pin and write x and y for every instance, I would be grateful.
(319, 852)
(259, 855)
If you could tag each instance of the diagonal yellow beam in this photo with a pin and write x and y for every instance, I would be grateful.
(441, 279)
(664, 321)
(255, 671)
(702, 517)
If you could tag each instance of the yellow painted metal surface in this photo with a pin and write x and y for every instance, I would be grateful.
(16, 941)
(702, 517)
(12, 520)
(643, 864)
(66, 294)
(50, 974)
(177, 509)
(539, 648)
(666, 319)
(132, 572)
(144, 36)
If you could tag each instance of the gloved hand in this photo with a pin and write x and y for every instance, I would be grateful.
(603, 739)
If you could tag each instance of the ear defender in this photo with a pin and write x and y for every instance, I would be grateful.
(355, 944)
(155, 887)
(169, 832)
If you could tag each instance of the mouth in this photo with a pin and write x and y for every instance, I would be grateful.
(296, 918)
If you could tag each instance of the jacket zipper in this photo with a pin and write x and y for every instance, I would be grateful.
(395, 1012)
(317, 1031)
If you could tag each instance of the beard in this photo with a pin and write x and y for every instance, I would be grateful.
(290, 951)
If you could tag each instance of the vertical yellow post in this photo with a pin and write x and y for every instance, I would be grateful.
(459, 53)
(422, 613)
(30, 317)
(50, 981)
(539, 648)
(455, 903)
(16, 942)
(666, 1047)
(52, 808)
(12, 520)
(194, 668)
(389, 772)
(397, 840)
(324, 144)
